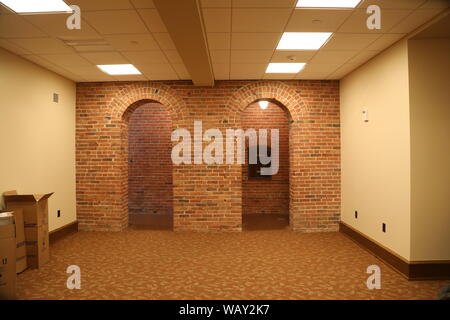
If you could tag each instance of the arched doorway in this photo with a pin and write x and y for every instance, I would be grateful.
(265, 198)
(147, 130)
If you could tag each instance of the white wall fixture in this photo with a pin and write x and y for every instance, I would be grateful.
(365, 115)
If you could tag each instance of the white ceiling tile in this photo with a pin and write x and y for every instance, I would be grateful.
(3, 11)
(362, 57)
(384, 41)
(332, 56)
(89, 5)
(392, 4)
(67, 61)
(415, 20)
(5, 44)
(247, 71)
(130, 77)
(220, 56)
(357, 22)
(146, 57)
(350, 41)
(342, 71)
(312, 75)
(260, 20)
(153, 20)
(93, 73)
(216, 3)
(255, 41)
(221, 71)
(156, 68)
(105, 58)
(15, 26)
(159, 71)
(55, 25)
(165, 41)
(317, 20)
(219, 41)
(143, 4)
(321, 68)
(298, 56)
(133, 42)
(251, 56)
(264, 3)
(217, 19)
(43, 45)
(279, 76)
(115, 21)
(436, 4)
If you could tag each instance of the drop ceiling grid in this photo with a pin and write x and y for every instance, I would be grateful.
(176, 72)
(36, 33)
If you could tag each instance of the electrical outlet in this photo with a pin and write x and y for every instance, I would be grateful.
(356, 214)
(59, 213)
(383, 227)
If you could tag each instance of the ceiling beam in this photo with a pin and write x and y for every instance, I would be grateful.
(183, 20)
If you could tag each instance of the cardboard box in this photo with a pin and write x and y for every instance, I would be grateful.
(7, 259)
(37, 245)
(34, 206)
(35, 216)
(21, 250)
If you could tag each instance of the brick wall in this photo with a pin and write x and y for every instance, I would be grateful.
(150, 164)
(207, 197)
(267, 196)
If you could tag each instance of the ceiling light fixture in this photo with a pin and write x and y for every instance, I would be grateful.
(118, 69)
(284, 67)
(303, 40)
(263, 104)
(37, 6)
(327, 3)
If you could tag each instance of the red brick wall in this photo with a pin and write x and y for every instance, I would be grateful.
(267, 196)
(150, 164)
(207, 197)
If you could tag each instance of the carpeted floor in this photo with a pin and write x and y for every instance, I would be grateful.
(278, 264)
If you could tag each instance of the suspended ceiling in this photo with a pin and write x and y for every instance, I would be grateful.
(240, 38)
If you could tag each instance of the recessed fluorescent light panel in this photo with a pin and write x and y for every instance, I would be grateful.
(36, 6)
(303, 40)
(118, 69)
(327, 3)
(285, 67)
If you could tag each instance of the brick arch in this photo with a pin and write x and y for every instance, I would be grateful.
(299, 137)
(278, 91)
(130, 97)
(121, 107)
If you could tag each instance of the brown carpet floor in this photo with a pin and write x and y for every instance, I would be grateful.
(278, 264)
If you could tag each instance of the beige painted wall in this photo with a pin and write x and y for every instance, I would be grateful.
(429, 70)
(38, 135)
(376, 154)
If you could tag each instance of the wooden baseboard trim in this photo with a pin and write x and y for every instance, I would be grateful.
(412, 270)
(60, 233)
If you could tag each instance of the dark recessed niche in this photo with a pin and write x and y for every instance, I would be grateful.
(254, 170)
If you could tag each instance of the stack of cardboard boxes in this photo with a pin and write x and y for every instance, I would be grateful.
(7, 256)
(24, 237)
